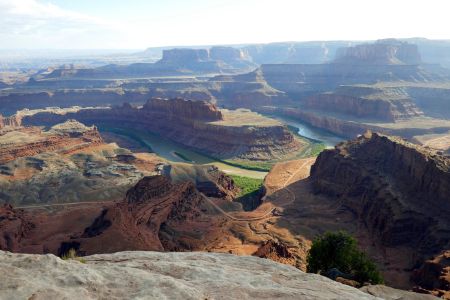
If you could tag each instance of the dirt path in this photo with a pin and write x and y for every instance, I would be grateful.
(285, 185)
(63, 204)
(264, 215)
(268, 213)
(228, 215)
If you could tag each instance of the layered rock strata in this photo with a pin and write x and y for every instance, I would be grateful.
(199, 125)
(388, 104)
(387, 52)
(130, 224)
(65, 138)
(400, 192)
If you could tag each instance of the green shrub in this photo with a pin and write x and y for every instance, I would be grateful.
(250, 191)
(247, 185)
(339, 250)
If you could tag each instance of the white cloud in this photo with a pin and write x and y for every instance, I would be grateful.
(30, 23)
(144, 23)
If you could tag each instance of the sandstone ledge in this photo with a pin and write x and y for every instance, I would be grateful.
(156, 275)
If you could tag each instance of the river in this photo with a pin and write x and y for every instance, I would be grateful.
(310, 132)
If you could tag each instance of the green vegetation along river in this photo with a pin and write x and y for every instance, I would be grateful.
(175, 152)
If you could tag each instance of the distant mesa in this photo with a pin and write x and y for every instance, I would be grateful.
(382, 52)
(380, 104)
(218, 59)
(181, 56)
(177, 61)
(227, 54)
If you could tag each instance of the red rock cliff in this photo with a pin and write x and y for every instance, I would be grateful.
(65, 137)
(398, 191)
(194, 124)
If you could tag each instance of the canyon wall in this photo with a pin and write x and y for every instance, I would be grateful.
(349, 128)
(184, 122)
(381, 104)
(433, 100)
(130, 224)
(303, 80)
(12, 121)
(398, 191)
(249, 90)
(64, 138)
(10, 103)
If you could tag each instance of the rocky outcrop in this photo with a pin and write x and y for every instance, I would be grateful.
(135, 222)
(277, 252)
(179, 108)
(383, 52)
(199, 125)
(158, 275)
(64, 138)
(130, 224)
(399, 191)
(215, 183)
(434, 276)
(388, 293)
(13, 226)
(13, 121)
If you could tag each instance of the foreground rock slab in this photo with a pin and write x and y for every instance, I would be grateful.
(156, 275)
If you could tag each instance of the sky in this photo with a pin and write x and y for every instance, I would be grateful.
(139, 24)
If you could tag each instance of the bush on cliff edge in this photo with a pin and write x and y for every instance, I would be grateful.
(338, 251)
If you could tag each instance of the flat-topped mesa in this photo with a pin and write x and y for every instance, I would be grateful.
(382, 52)
(183, 56)
(216, 59)
(180, 108)
(384, 104)
(226, 54)
(362, 64)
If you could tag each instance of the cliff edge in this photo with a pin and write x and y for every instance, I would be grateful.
(155, 275)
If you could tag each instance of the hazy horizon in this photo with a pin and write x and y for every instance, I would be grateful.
(140, 24)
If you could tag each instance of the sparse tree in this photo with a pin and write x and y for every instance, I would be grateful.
(339, 251)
